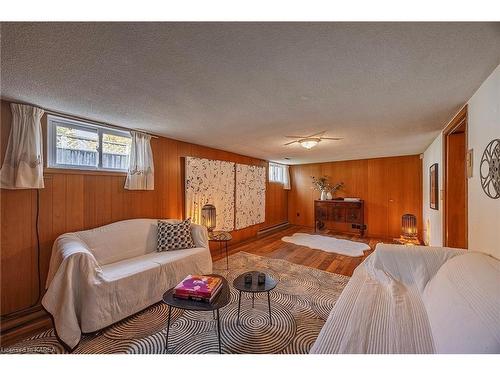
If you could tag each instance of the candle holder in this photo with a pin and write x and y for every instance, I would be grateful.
(409, 232)
(209, 217)
(409, 227)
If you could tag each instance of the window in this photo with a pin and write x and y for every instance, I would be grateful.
(80, 145)
(276, 173)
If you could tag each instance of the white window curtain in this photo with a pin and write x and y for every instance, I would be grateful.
(140, 174)
(23, 163)
(286, 178)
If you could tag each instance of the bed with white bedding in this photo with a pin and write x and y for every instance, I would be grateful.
(416, 299)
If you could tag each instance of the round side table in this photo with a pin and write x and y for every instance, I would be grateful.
(186, 304)
(222, 238)
(254, 287)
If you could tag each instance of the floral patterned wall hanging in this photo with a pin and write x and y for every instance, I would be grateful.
(210, 181)
(250, 195)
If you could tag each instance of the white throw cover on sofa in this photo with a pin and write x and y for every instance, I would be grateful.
(100, 276)
(416, 299)
(381, 309)
(463, 305)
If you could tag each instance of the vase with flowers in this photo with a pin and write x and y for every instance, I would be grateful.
(326, 190)
(320, 184)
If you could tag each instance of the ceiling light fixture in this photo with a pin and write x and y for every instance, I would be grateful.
(309, 142)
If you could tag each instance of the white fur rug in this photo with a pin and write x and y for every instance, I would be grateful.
(327, 243)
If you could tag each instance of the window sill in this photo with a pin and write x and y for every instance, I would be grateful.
(52, 171)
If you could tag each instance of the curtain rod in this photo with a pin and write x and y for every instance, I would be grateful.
(78, 118)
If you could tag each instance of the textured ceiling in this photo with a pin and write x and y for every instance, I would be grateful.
(386, 88)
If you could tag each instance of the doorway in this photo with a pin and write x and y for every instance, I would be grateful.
(455, 182)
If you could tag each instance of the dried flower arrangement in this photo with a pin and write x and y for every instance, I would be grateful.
(336, 187)
(322, 185)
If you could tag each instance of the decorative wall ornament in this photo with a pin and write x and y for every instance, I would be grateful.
(489, 169)
(210, 181)
(238, 191)
(250, 195)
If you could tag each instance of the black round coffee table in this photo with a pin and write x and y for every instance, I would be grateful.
(186, 304)
(240, 285)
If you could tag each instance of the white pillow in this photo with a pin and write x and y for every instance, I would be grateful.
(463, 305)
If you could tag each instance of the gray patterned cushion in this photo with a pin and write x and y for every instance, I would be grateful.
(174, 236)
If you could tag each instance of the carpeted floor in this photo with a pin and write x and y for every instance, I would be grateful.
(300, 305)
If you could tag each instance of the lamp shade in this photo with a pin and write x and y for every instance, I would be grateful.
(209, 216)
(409, 226)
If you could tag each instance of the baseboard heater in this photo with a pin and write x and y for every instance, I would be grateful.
(273, 228)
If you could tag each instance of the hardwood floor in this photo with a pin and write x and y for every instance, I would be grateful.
(270, 245)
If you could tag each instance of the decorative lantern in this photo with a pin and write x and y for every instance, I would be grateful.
(409, 227)
(208, 216)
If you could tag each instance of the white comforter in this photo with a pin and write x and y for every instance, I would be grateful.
(85, 296)
(381, 309)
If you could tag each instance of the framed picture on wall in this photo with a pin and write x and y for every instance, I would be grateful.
(434, 187)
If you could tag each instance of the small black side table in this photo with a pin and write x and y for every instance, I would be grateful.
(254, 287)
(186, 304)
(222, 238)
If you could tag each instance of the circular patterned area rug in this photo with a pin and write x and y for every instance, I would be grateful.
(300, 305)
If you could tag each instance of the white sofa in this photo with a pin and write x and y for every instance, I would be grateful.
(417, 299)
(100, 276)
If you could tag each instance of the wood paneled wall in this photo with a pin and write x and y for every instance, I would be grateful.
(77, 200)
(390, 188)
(276, 205)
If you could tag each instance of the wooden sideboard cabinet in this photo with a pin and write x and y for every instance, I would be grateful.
(340, 216)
